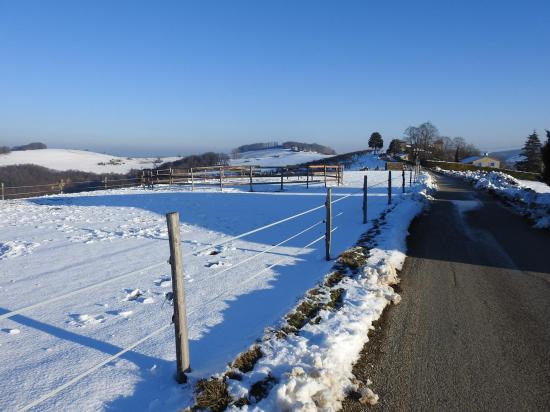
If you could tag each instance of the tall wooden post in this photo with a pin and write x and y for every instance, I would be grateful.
(180, 313)
(142, 179)
(410, 177)
(221, 179)
(192, 181)
(389, 187)
(2, 190)
(403, 185)
(328, 221)
(250, 174)
(325, 169)
(105, 182)
(307, 177)
(282, 176)
(171, 179)
(365, 187)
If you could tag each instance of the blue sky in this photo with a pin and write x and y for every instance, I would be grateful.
(161, 77)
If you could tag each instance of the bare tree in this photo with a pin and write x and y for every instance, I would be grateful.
(421, 139)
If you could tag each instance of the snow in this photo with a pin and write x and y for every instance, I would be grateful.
(370, 161)
(531, 198)
(276, 157)
(57, 244)
(64, 159)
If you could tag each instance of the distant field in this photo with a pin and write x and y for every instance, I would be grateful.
(64, 159)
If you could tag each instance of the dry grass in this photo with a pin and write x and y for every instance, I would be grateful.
(334, 279)
(211, 394)
(245, 361)
(260, 389)
(353, 258)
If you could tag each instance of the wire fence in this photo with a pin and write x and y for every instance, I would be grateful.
(307, 244)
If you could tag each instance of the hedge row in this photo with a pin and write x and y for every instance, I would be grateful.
(463, 167)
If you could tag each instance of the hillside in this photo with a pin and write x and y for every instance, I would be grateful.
(64, 159)
(276, 157)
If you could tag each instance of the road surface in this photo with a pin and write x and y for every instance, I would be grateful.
(472, 332)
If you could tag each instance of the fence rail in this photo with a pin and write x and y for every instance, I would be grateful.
(176, 244)
(217, 176)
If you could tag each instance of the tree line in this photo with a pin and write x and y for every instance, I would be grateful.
(309, 147)
(30, 146)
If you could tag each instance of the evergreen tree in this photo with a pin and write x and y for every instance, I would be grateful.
(376, 142)
(394, 147)
(546, 159)
(532, 151)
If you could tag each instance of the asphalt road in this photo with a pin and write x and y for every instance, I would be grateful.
(472, 332)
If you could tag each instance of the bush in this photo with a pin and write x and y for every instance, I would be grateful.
(4, 150)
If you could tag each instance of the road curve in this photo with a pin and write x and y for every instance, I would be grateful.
(472, 332)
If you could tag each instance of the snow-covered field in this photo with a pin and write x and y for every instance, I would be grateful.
(532, 198)
(276, 157)
(65, 159)
(51, 246)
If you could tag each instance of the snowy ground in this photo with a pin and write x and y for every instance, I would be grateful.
(276, 157)
(531, 198)
(53, 245)
(64, 159)
(369, 160)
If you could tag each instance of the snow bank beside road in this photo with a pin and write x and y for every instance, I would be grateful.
(312, 369)
(531, 198)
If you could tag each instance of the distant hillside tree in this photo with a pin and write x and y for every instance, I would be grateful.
(394, 147)
(546, 159)
(204, 160)
(30, 146)
(532, 151)
(256, 146)
(376, 142)
(309, 147)
(4, 149)
(421, 139)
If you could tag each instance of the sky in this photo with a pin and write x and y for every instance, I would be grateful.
(160, 77)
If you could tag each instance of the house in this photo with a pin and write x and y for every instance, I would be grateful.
(482, 161)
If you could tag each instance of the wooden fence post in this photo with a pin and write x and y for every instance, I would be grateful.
(389, 187)
(142, 179)
(410, 177)
(328, 221)
(105, 182)
(192, 181)
(282, 175)
(180, 313)
(307, 177)
(221, 179)
(61, 185)
(2, 186)
(403, 185)
(325, 169)
(250, 173)
(171, 179)
(365, 187)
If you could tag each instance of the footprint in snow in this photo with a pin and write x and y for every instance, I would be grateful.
(165, 282)
(138, 296)
(12, 331)
(214, 265)
(122, 313)
(82, 320)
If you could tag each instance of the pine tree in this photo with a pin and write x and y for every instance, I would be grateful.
(375, 141)
(532, 151)
(546, 159)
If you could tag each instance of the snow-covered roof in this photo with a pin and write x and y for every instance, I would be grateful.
(471, 159)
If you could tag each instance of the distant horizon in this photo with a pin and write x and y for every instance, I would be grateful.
(189, 77)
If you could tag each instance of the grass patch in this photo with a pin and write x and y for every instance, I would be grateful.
(353, 258)
(211, 394)
(305, 311)
(260, 389)
(245, 361)
(334, 279)
(336, 298)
